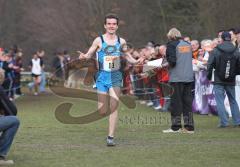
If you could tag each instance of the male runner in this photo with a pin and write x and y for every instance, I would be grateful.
(109, 78)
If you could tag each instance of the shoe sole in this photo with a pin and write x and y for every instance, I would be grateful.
(222, 127)
(181, 131)
(188, 132)
(8, 162)
(172, 131)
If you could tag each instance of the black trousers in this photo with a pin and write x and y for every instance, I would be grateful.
(181, 105)
(17, 84)
(7, 106)
(8, 87)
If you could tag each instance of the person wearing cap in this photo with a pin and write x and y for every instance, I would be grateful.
(225, 86)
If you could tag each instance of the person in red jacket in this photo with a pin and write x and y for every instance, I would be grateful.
(163, 78)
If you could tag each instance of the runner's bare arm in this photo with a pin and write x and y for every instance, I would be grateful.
(128, 55)
(91, 50)
(130, 59)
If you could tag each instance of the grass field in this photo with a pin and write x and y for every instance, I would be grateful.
(42, 141)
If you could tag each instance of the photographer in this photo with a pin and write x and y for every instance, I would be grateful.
(9, 124)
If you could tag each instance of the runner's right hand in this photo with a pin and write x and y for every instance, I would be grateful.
(81, 55)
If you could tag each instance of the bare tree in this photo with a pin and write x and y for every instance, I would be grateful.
(73, 24)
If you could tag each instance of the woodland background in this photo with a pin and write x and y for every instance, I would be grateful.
(73, 24)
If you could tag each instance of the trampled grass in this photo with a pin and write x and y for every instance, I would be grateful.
(43, 141)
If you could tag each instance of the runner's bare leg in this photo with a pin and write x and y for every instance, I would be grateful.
(102, 103)
(114, 102)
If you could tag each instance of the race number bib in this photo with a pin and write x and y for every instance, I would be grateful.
(111, 63)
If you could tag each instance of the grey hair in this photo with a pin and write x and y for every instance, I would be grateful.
(174, 34)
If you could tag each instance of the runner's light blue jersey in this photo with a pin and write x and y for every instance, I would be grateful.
(109, 62)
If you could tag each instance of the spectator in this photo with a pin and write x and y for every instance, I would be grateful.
(41, 54)
(220, 34)
(163, 77)
(36, 69)
(207, 48)
(66, 61)
(233, 31)
(150, 80)
(187, 39)
(238, 37)
(138, 83)
(9, 74)
(179, 56)
(225, 60)
(204, 101)
(215, 42)
(195, 48)
(8, 127)
(17, 74)
(58, 65)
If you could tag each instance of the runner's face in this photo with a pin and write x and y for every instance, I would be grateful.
(111, 26)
